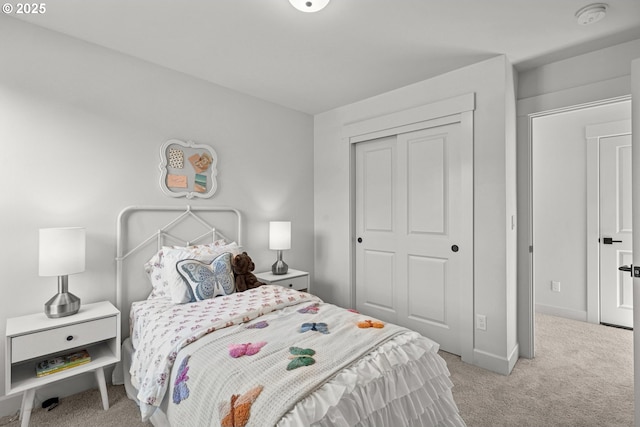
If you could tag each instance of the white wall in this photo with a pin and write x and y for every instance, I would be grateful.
(559, 151)
(494, 200)
(598, 75)
(80, 131)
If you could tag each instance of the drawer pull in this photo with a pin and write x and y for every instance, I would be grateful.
(291, 285)
(69, 338)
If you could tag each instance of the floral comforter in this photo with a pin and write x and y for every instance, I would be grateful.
(160, 329)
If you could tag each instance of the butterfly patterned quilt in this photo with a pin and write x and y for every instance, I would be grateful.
(160, 329)
(253, 373)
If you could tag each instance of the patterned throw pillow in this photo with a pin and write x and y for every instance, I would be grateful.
(178, 288)
(208, 280)
(153, 268)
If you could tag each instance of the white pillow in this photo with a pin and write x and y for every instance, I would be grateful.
(178, 289)
(154, 268)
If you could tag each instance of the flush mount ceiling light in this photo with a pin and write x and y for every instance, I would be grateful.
(592, 13)
(309, 5)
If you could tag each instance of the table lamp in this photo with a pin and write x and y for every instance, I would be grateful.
(279, 240)
(62, 252)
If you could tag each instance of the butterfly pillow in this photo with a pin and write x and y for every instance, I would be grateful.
(207, 280)
(178, 288)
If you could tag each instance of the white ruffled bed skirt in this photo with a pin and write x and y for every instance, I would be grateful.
(402, 383)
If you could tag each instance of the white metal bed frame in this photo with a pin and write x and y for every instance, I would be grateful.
(162, 236)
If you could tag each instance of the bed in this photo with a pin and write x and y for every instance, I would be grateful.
(197, 353)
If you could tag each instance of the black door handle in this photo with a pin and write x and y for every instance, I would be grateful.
(610, 241)
(626, 268)
(633, 271)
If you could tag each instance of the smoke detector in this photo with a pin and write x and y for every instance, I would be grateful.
(592, 13)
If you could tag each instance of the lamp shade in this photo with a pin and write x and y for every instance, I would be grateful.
(62, 251)
(280, 235)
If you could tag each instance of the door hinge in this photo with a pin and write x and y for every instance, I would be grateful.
(531, 249)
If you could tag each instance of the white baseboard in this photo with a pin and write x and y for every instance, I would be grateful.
(495, 363)
(562, 312)
(513, 357)
(9, 405)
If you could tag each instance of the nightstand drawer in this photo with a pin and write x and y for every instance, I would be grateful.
(33, 345)
(297, 283)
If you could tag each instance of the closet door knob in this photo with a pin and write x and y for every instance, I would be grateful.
(359, 239)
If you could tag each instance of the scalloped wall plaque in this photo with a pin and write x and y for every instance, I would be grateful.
(188, 169)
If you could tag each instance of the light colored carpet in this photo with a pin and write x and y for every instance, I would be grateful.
(582, 376)
(85, 410)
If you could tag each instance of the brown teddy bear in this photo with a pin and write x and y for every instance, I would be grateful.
(243, 266)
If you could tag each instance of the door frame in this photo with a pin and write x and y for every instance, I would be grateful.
(457, 109)
(593, 134)
(526, 332)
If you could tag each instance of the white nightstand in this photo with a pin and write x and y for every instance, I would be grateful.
(32, 338)
(294, 279)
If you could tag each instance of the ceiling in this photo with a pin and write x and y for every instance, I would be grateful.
(351, 50)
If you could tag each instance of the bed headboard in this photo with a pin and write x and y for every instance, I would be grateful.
(143, 230)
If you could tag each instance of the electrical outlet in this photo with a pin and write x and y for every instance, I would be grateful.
(555, 286)
(481, 322)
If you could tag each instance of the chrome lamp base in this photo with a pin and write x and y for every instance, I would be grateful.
(279, 267)
(64, 303)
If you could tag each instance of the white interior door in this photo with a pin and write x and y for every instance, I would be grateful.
(414, 248)
(635, 127)
(616, 287)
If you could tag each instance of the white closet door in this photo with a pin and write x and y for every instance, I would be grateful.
(376, 217)
(412, 204)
